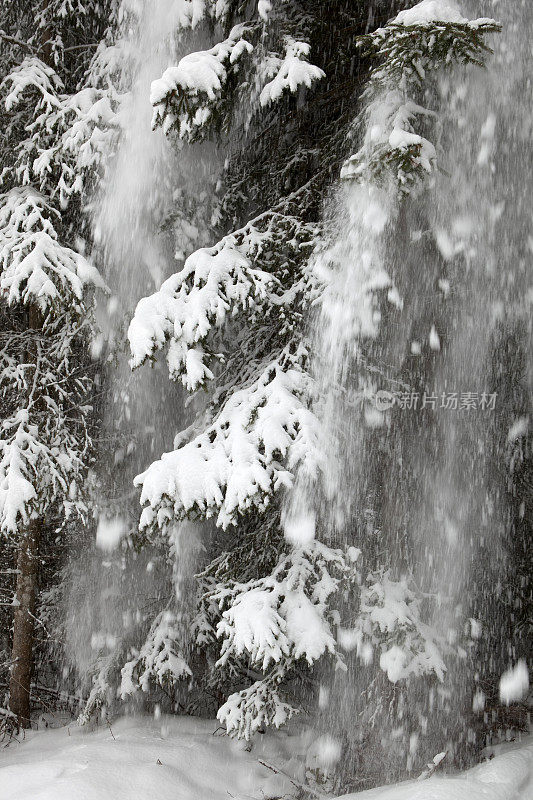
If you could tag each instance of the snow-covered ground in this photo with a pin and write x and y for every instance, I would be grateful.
(181, 758)
(178, 758)
(507, 776)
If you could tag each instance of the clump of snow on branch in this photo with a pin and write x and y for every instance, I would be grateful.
(290, 72)
(430, 11)
(191, 12)
(182, 96)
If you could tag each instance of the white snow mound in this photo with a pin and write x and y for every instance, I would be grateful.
(431, 11)
(174, 758)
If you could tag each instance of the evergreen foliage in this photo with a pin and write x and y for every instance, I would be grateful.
(258, 429)
(46, 285)
(409, 51)
(277, 94)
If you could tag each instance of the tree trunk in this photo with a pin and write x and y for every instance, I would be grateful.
(28, 554)
(26, 592)
(21, 669)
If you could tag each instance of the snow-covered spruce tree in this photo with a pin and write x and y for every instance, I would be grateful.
(51, 144)
(232, 321)
(273, 92)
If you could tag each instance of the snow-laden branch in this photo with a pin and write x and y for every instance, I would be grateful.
(191, 95)
(275, 621)
(236, 275)
(289, 73)
(250, 451)
(213, 283)
(19, 457)
(390, 621)
(392, 145)
(68, 134)
(39, 461)
(35, 76)
(426, 37)
(34, 266)
(429, 37)
(260, 705)
(183, 97)
(70, 142)
(159, 659)
(284, 614)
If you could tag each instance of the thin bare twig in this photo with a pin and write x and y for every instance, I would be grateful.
(18, 42)
(294, 782)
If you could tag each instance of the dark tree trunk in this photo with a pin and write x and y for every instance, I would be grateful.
(28, 553)
(26, 592)
(28, 571)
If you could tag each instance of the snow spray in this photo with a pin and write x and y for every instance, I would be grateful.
(113, 587)
(423, 392)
